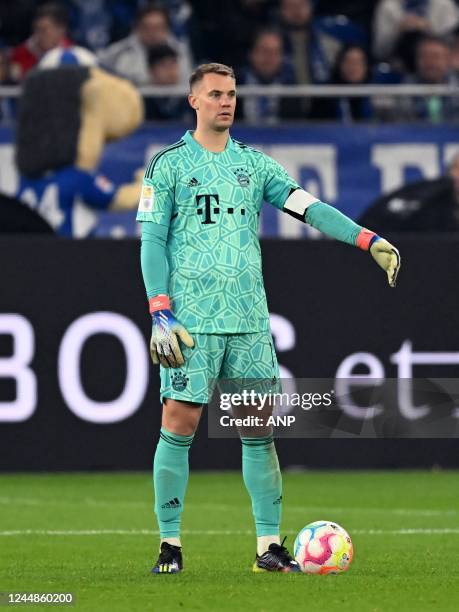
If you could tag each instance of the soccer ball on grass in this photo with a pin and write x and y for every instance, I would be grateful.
(323, 547)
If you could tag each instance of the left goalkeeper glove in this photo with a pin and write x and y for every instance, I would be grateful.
(388, 257)
(165, 334)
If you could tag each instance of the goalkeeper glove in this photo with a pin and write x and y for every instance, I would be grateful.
(164, 345)
(387, 257)
(383, 252)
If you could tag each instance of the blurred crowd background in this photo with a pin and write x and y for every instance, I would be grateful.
(397, 170)
(266, 41)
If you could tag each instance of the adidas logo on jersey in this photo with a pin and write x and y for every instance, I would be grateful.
(193, 182)
(173, 503)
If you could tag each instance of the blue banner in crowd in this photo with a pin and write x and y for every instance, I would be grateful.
(347, 166)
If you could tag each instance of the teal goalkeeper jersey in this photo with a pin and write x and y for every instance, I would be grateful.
(210, 203)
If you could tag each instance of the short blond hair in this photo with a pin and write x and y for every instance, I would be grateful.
(212, 68)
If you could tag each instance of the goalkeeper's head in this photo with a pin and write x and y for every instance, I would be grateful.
(213, 96)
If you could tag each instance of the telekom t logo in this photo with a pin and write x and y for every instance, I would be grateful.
(212, 207)
(207, 210)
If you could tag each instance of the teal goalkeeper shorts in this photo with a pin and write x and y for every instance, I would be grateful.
(220, 356)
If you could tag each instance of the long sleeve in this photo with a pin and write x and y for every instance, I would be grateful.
(332, 222)
(153, 259)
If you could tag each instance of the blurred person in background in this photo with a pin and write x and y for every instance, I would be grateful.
(225, 29)
(352, 67)
(49, 30)
(5, 78)
(311, 51)
(91, 22)
(7, 105)
(97, 23)
(433, 67)
(179, 13)
(268, 66)
(423, 206)
(360, 12)
(165, 70)
(399, 24)
(455, 52)
(129, 57)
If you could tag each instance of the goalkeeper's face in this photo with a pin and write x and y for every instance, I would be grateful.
(214, 100)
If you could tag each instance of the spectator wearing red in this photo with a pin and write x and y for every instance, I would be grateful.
(49, 31)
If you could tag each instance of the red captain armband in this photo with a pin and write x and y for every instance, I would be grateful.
(365, 239)
(159, 302)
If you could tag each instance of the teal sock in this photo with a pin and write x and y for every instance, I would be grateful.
(262, 477)
(170, 478)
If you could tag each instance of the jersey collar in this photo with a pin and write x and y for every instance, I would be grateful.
(188, 138)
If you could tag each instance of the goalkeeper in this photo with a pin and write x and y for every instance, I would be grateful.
(201, 264)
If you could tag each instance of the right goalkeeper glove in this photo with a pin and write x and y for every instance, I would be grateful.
(383, 252)
(164, 345)
(387, 257)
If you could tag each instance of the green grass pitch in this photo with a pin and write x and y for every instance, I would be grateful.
(94, 535)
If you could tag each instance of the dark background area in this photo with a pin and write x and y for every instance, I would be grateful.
(336, 300)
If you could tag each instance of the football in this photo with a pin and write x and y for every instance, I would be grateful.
(323, 547)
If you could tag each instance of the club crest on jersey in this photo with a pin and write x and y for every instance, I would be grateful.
(242, 177)
(146, 199)
(179, 381)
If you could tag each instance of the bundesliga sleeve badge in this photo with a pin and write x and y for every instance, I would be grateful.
(146, 199)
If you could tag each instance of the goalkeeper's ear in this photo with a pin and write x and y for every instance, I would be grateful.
(193, 101)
